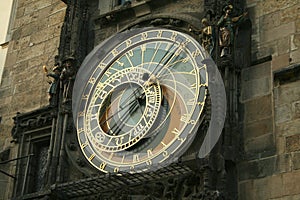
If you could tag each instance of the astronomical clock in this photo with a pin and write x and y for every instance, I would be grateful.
(138, 107)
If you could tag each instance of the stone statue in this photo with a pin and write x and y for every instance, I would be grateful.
(226, 30)
(53, 80)
(68, 76)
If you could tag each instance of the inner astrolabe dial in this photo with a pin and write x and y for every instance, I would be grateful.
(143, 97)
(123, 109)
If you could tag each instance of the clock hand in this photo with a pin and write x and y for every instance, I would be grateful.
(116, 128)
(121, 108)
(136, 97)
(150, 79)
(167, 61)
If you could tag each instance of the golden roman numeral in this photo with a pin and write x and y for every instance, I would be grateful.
(149, 152)
(175, 131)
(136, 158)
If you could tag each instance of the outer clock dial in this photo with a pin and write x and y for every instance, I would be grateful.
(142, 100)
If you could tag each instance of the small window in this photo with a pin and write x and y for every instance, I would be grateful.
(40, 151)
(106, 6)
(123, 2)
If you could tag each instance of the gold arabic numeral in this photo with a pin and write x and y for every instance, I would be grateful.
(159, 34)
(92, 81)
(116, 169)
(186, 41)
(101, 66)
(165, 154)
(181, 139)
(149, 162)
(80, 114)
(131, 168)
(128, 43)
(85, 97)
(173, 37)
(102, 165)
(92, 157)
(115, 52)
(186, 119)
(144, 36)
(83, 145)
(136, 158)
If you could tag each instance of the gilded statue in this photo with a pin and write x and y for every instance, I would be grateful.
(226, 30)
(206, 35)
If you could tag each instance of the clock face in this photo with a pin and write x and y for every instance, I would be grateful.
(138, 98)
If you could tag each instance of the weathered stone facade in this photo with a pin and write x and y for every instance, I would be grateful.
(36, 34)
(267, 160)
(270, 95)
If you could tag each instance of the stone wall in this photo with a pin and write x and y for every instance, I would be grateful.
(24, 85)
(270, 166)
(276, 28)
